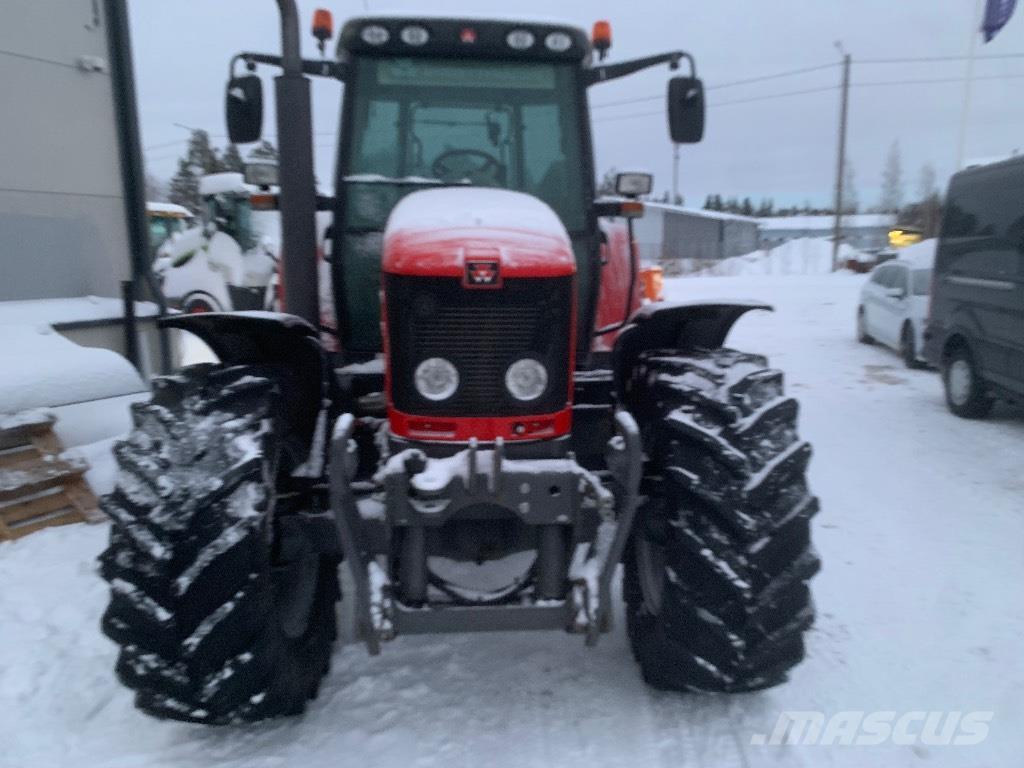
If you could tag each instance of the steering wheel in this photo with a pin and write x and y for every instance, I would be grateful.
(442, 168)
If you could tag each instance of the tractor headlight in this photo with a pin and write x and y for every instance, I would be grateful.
(436, 378)
(526, 379)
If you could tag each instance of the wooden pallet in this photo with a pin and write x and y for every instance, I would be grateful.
(39, 487)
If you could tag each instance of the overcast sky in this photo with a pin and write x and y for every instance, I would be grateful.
(782, 147)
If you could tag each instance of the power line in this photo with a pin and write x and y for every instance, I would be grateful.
(724, 103)
(819, 67)
(927, 80)
(925, 59)
(768, 97)
(730, 84)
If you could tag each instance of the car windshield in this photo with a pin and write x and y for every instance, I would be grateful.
(494, 124)
(921, 280)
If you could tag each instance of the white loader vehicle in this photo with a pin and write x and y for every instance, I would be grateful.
(228, 261)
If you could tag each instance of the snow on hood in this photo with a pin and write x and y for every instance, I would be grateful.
(473, 207)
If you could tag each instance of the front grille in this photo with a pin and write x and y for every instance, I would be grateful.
(482, 332)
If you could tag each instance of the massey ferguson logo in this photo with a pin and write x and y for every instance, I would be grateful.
(483, 273)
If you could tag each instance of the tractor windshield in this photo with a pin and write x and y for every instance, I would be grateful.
(503, 124)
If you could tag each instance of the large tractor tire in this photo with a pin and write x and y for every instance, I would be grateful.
(715, 579)
(221, 599)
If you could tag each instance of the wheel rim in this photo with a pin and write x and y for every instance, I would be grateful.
(960, 379)
(650, 564)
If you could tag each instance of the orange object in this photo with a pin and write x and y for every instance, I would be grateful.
(323, 25)
(263, 201)
(631, 209)
(601, 37)
(653, 281)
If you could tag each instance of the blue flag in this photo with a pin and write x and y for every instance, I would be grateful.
(997, 13)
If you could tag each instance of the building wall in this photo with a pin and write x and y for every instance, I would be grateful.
(666, 235)
(62, 220)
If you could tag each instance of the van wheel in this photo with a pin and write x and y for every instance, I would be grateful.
(965, 392)
(908, 349)
(862, 334)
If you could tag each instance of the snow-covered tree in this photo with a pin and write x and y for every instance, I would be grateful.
(892, 180)
(606, 186)
(267, 150)
(156, 189)
(232, 159)
(201, 154)
(926, 183)
(184, 187)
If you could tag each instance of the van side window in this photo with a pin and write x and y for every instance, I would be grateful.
(983, 228)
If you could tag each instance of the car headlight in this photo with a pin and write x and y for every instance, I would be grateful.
(436, 378)
(526, 379)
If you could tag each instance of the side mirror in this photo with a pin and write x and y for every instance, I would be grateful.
(686, 110)
(895, 293)
(243, 109)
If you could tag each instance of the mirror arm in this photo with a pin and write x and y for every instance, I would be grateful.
(606, 72)
(318, 68)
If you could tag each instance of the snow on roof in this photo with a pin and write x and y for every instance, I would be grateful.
(826, 222)
(169, 209)
(470, 207)
(224, 183)
(82, 309)
(720, 215)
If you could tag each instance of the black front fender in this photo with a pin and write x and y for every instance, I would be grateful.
(677, 325)
(285, 345)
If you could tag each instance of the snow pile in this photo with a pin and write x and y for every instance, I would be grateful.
(80, 309)
(40, 368)
(921, 255)
(803, 256)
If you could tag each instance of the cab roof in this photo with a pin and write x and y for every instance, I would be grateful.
(477, 38)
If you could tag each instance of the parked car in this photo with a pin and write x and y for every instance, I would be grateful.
(893, 306)
(975, 332)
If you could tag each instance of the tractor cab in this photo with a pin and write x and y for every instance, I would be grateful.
(469, 102)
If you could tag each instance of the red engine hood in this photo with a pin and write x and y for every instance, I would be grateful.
(436, 232)
(444, 254)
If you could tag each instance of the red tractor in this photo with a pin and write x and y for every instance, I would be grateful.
(503, 426)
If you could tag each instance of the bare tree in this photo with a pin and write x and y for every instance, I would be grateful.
(926, 183)
(892, 180)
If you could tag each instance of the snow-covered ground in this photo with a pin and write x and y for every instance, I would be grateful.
(802, 256)
(919, 610)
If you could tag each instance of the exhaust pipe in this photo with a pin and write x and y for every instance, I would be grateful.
(298, 189)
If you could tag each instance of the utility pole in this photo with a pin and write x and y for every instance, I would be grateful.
(837, 228)
(675, 173)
